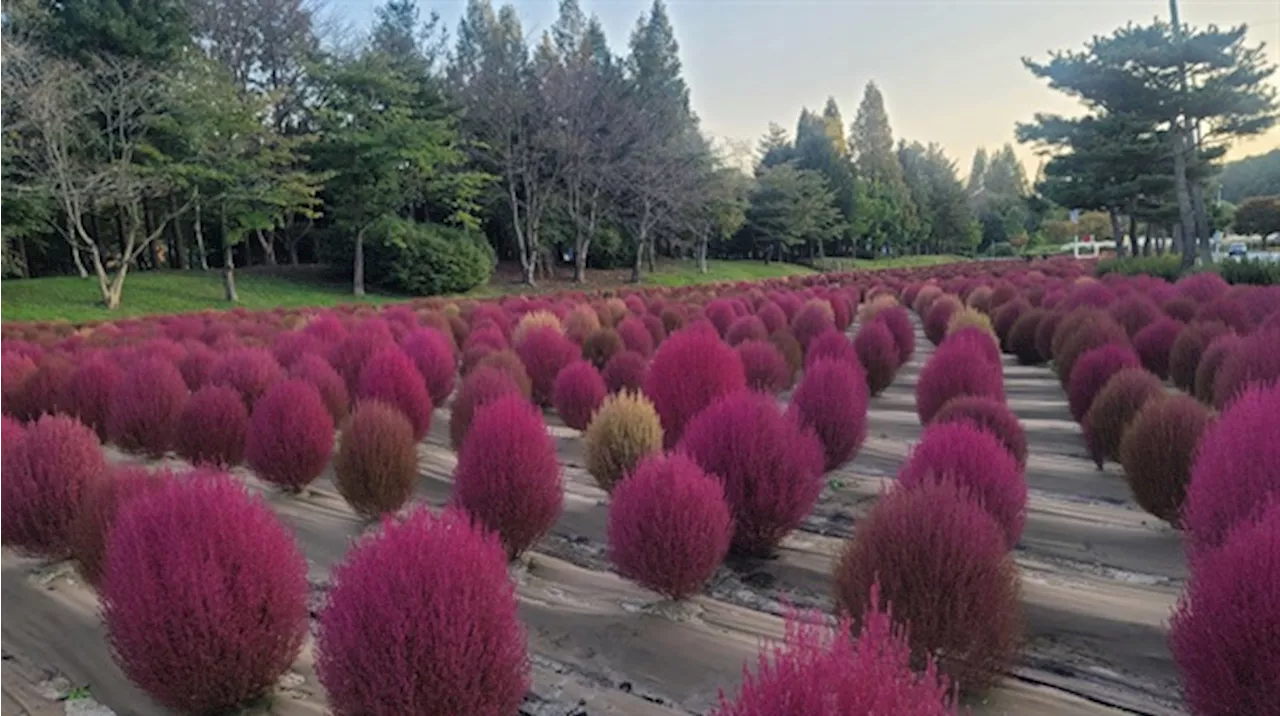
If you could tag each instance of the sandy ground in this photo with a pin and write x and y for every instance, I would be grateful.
(1099, 577)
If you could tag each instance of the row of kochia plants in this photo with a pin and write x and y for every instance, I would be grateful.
(677, 395)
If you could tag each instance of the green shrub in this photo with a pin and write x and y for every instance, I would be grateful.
(1251, 271)
(1167, 267)
(425, 259)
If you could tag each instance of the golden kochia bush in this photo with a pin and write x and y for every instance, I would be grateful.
(971, 318)
(535, 319)
(377, 461)
(624, 430)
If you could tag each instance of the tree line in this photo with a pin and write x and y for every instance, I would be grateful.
(1163, 102)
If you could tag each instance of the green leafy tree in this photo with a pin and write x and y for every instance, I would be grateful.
(892, 219)
(1252, 176)
(816, 150)
(1258, 215)
(791, 208)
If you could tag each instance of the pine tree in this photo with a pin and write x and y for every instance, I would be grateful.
(871, 140)
(834, 125)
(977, 170)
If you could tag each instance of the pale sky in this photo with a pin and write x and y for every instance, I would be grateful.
(950, 70)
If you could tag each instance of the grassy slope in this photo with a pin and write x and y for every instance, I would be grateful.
(847, 264)
(160, 292)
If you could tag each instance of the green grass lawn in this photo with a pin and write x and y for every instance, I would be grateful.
(849, 264)
(685, 273)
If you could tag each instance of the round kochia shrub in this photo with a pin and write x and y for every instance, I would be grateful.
(432, 352)
(1188, 349)
(15, 370)
(747, 328)
(771, 468)
(635, 336)
(544, 352)
(204, 594)
(47, 472)
(766, 369)
(290, 436)
(832, 401)
(832, 345)
(601, 345)
(625, 371)
(956, 369)
(1225, 634)
(1215, 354)
(812, 320)
(1256, 359)
(88, 392)
(507, 477)
(1115, 407)
(1045, 332)
(1091, 331)
(1154, 344)
(624, 431)
(422, 619)
(577, 393)
(669, 526)
(212, 427)
(938, 316)
(508, 362)
(1157, 451)
(248, 371)
(842, 672)
(896, 319)
(1234, 474)
(1022, 336)
(942, 563)
(333, 391)
(391, 377)
(878, 355)
(993, 416)
(1004, 319)
(1091, 373)
(98, 508)
(145, 408)
(42, 391)
(377, 461)
(690, 370)
(481, 386)
(977, 462)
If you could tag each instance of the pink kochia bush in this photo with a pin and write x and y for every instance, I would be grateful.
(47, 471)
(1234, 474)
(204, 594)
(993, 416)
(1256, 359)
(771, 467)
(212, 427)
(391, 377)
(1154, 344)
(333, 391)
(956, 369)
(1225, 634)
(625, 371)
(765, 367)
(544, 352)
(977, 462)
(689, 371)
(878, 354)
(830, 345)
(88, 392)
(249, 371)
(422, 620)
(432, 353)
(507, 477)
(669, 526)
(898, 321)
(146, 406)
(98, 508)
(822, 669)
(290, 436)
(1092, 371)
(832, 401)
(577, 393)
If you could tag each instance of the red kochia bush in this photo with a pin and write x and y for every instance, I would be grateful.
(625, 371)
(1157, 451)
(956, 369)
(1091, 331)
(1045, 332)
(898, 321)
(290, 436)
(1256, 359)
(993, 416)
(747, 328)
(577, 392)
(690, 370)
(1188, 349)
(1091, 373)
(942, 562)
(507, 477)
(15, 369)
(422, 619)
(1022, 336)
(832, 401)
(938, 316)
(43, 390)
(832, 345)
(211, 429)
(544, 352)
(771, 468)
(98, 508)
(391, 377)
(333, 391)
(1215, 354)
(635, 336)
(1225, 634)
(812, 320)
(877, 353)
(821, 671)
(1134, 313)
(146, 406)
(377, 461)
(47, 471)
(203, 548)
(249, 371)
(1004, 319)
(88, 392)
(481, 386)
(669, 526)
(1154, 344)
(976, 461)
(432, 352)
(1234, 474)
(766, 369)
(1115, 407)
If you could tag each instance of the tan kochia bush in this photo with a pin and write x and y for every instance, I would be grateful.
(971, 317)
(377, 462)
(533, 320)
(872, 308)
(624, 430)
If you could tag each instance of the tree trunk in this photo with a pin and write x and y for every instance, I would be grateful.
(75, 256)
(229, 273)
(293, 251)
(268, 247)
(1133, 232)
(641, 242)
(357, 268)
(115, 291)
(702, 255)
(1186, 216)
(198, 229)
(653, 259)
(1117, 230)
(1202, 223)
(580, 262)
(25, 269)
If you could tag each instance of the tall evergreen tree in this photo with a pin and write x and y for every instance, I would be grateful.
(871, 141)
(977, 170)
(834, 125)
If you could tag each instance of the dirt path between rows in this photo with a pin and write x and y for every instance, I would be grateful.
(1100, 578)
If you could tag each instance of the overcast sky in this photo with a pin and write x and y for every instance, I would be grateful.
(950, 70)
